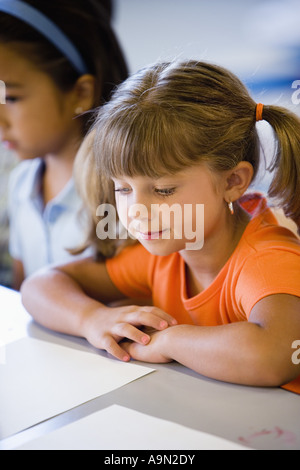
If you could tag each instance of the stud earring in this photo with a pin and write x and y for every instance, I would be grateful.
(230, 206)
(78, 110)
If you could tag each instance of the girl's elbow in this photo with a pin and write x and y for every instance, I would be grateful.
(34, 288)
(27, 292)
(277, 372)
(286, 376)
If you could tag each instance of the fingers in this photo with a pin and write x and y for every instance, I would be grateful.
(171, 321)
(132, 334)
(115, 350)
(150, 316)
(108, 329)
(123, 330)
(126, 330)
(152, 352)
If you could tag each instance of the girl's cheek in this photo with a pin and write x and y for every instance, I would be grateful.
(122, 209)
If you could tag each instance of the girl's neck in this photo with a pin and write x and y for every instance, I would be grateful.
(203, 266)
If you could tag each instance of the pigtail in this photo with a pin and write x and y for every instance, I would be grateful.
(285, 186)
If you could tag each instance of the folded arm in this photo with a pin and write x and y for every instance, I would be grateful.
(257, 352)
(73, 299)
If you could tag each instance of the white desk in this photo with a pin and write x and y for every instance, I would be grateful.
(260, 418)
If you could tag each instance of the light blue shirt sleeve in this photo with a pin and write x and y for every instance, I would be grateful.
(40, 235)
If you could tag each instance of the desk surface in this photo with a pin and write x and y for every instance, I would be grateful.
(260, 418)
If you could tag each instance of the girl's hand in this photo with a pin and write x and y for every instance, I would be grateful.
(106, 328)
(153, 351)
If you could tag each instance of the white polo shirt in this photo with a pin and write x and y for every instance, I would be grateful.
(40, 235)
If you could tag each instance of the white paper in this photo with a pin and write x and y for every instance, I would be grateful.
(13, 317)
(120, 428)
(40, 380)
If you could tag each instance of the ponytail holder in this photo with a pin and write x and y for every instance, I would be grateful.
(259, 112)
(37, 20)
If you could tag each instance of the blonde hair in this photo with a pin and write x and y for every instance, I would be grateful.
(177, 114)
(94, 189)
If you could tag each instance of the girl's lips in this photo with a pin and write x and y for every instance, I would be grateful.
(151, 235)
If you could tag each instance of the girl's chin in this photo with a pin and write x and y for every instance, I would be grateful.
(161, 247)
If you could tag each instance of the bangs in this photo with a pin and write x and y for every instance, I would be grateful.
(169, 117)
(149, 142)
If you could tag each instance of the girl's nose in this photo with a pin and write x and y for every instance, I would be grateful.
(141, 203)
(139, 211)
(140, 207)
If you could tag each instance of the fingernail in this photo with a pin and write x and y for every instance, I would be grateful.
(126, 358)
(163, 324)
(174, 322)
(145, 339)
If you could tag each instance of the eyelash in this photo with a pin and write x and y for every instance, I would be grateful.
(12, 99)
(160, 192)
(122, 191)
(165, 192)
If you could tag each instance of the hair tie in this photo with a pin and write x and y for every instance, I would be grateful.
(259, 112)
(37, 20)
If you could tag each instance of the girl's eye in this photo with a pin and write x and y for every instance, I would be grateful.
(12, 99)
(165, 192)
(123, 191)
(161, 192)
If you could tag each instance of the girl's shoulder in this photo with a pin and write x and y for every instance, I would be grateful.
(267, 262)
(265, 229)
(267, 253)
(267, 248)
(264, 235)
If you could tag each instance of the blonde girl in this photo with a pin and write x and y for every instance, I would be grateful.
(185, 134)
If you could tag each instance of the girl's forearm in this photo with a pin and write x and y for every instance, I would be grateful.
(58, 302)
(240, 353)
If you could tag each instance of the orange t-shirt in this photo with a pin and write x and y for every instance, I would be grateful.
(265, 262)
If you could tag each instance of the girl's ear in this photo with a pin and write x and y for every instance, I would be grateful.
(84, 93)
(237, 181)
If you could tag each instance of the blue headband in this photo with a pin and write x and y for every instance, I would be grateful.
(47, 28)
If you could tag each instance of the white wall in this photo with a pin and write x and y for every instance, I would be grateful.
(259, 40)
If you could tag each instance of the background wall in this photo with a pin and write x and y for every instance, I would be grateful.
(259, 40)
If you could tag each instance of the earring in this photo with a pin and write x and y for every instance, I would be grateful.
(78, 110)
(230, 206)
